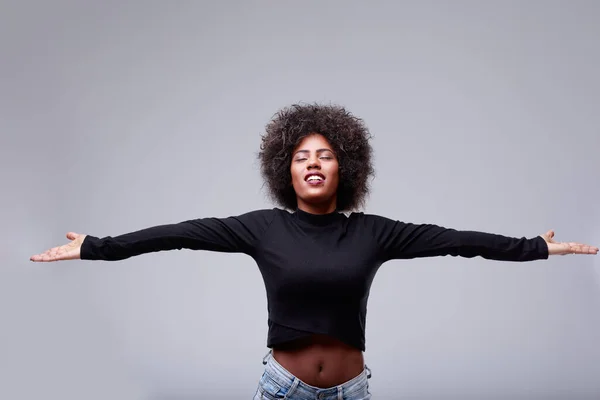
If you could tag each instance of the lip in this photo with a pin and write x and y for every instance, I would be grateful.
(314, 174)
(315, 183)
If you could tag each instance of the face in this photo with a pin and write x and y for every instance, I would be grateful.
(315, 177)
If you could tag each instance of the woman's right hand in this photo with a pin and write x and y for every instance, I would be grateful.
(69, 251)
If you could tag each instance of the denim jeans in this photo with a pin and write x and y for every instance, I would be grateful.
(278, 383)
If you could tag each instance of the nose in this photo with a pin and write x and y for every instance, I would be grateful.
(313, 162)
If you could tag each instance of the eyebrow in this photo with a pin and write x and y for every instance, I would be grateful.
(308, 151)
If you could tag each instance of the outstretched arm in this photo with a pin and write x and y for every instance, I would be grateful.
(233, 234)
(399, 240)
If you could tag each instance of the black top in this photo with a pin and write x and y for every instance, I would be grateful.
(317, 269)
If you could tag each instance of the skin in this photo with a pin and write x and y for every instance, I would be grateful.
(314, 154)
(319, 360)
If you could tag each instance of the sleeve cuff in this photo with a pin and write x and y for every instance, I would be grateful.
(87, 248)
(542, 247)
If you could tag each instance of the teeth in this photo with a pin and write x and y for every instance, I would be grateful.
(314, 178)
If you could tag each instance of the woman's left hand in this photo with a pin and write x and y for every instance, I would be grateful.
(562, 248)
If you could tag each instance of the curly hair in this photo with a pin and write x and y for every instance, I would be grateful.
(347, 134)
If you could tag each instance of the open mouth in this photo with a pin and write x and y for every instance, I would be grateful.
(315, 178)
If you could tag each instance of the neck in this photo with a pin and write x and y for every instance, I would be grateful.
(317, 208)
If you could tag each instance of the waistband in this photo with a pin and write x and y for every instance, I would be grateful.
(285, 378)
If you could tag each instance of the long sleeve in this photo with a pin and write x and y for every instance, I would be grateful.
(399, 240)
(236, 234)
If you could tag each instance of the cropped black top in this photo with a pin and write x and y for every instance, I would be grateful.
(317, 269)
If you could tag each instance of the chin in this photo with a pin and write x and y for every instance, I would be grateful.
(318, 200)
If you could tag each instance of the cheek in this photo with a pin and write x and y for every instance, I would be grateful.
(296, 175)
(336, 172)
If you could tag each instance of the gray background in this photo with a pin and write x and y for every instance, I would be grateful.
(117, 116)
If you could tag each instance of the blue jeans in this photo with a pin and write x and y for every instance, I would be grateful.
(278, 383)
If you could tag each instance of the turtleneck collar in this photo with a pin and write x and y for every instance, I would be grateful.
(317, 219)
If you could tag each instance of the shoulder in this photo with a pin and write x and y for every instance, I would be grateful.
(373, 223)
(262, 212)
(370, 219)
(263, 216)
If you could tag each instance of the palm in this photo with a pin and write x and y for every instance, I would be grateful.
(69, 251)
(562, 248)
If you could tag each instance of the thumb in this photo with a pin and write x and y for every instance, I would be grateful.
(548, 236)
(72, 235)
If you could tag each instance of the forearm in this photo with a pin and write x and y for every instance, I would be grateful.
(498, 247)
(154, 239)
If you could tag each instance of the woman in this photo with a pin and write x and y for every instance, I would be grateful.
(317, 262)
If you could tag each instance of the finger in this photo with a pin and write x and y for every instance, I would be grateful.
(578, 248)
(49, 255)
(72, 235)
(587, 246)
(44, 257)
(56, 256)
(577, 245)
(53, 254)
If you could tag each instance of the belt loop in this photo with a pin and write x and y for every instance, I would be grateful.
(340, 393)
(368, 371)
(295, 384)
(265, 357)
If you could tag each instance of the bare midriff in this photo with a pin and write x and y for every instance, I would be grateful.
(320, 361)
